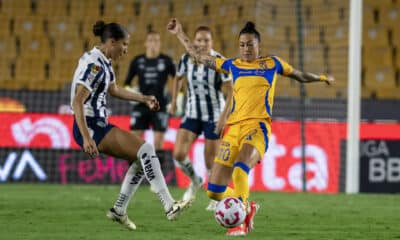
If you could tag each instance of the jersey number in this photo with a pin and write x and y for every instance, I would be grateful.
(224, 154)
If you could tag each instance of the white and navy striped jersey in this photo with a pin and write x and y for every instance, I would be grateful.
(205, 100)
(94, 72)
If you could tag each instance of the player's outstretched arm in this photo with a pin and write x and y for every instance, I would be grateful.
(175, 27)
(125, 94)
(306, 77)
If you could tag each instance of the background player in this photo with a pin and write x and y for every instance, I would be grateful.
(249, 124)
(204, 105)
(94, 78)
(153, 70)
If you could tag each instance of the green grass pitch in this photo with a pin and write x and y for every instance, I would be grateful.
(37, 211)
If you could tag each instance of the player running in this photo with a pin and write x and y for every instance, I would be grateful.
(94, 78)
(204, 105)
(246, 135)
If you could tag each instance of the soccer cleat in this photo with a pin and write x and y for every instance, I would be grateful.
(178, 208)
(237, 231)
(248, 224)
(212, 205)
(252, 209)
(122, 219)
(192, 189)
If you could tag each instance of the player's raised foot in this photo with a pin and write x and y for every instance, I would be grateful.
(178, 208)
(212, 205)
(252, 209)
(237, 231)
(192, 189)
(122, 219)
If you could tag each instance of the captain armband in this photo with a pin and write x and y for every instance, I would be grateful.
(323, 78)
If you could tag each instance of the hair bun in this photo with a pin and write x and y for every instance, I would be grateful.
(98, 28)
(250, 25)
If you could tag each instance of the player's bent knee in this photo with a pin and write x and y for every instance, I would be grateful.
(179, 155)
(146, 148)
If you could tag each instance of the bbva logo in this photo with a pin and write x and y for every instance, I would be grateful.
(20, 165)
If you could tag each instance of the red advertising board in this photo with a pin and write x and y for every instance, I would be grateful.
(280, 169)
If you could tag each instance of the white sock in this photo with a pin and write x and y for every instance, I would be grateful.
(152, 171)
(130, 184)
(187, 167)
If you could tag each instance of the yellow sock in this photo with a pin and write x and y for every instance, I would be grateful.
(228, 192)
(241, 181)
(219, 192)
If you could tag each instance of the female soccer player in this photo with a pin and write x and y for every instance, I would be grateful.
(204, 106)
(94, 78)
(248, 127)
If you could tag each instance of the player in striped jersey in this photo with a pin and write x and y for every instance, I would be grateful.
(246, 135)
(204, 105)
(93, 80)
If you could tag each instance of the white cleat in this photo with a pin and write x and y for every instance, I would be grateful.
(191, 191)
(211, 206)
(122, 219)
(177, 209)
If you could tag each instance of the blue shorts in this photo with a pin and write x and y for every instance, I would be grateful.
(197, 126)
(98, 129)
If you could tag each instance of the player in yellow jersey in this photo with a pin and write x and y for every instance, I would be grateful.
(248, 126)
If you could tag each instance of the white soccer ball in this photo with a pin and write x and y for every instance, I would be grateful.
(230, 212)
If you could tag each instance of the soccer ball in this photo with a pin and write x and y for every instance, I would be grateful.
(230, 212)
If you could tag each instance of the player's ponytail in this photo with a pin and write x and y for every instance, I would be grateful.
(109, 30)
(98, 28)
(250, 28)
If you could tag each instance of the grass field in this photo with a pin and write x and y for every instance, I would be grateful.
(78, 212)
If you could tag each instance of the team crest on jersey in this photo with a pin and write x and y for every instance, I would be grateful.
(262, 64)
(161, 66)
(266, 64)
(95, 69)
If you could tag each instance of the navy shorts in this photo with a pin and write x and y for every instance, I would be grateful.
(142, 119)
(98, 129)
(197, 126)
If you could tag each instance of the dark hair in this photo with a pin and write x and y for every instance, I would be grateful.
(203, 28)
(109, 30)
(250, 28)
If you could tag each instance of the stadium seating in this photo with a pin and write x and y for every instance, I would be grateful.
(8, 48)
(53, 9)
(379, 77)
(14, 8)
(56, 32)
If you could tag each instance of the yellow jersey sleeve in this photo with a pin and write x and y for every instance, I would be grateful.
(283, 67)
(223, 65)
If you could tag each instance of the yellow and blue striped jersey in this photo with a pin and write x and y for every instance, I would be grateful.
(254, 85)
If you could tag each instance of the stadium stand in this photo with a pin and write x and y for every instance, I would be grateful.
(54, 33)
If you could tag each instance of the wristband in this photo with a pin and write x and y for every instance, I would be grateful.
(323, 78)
